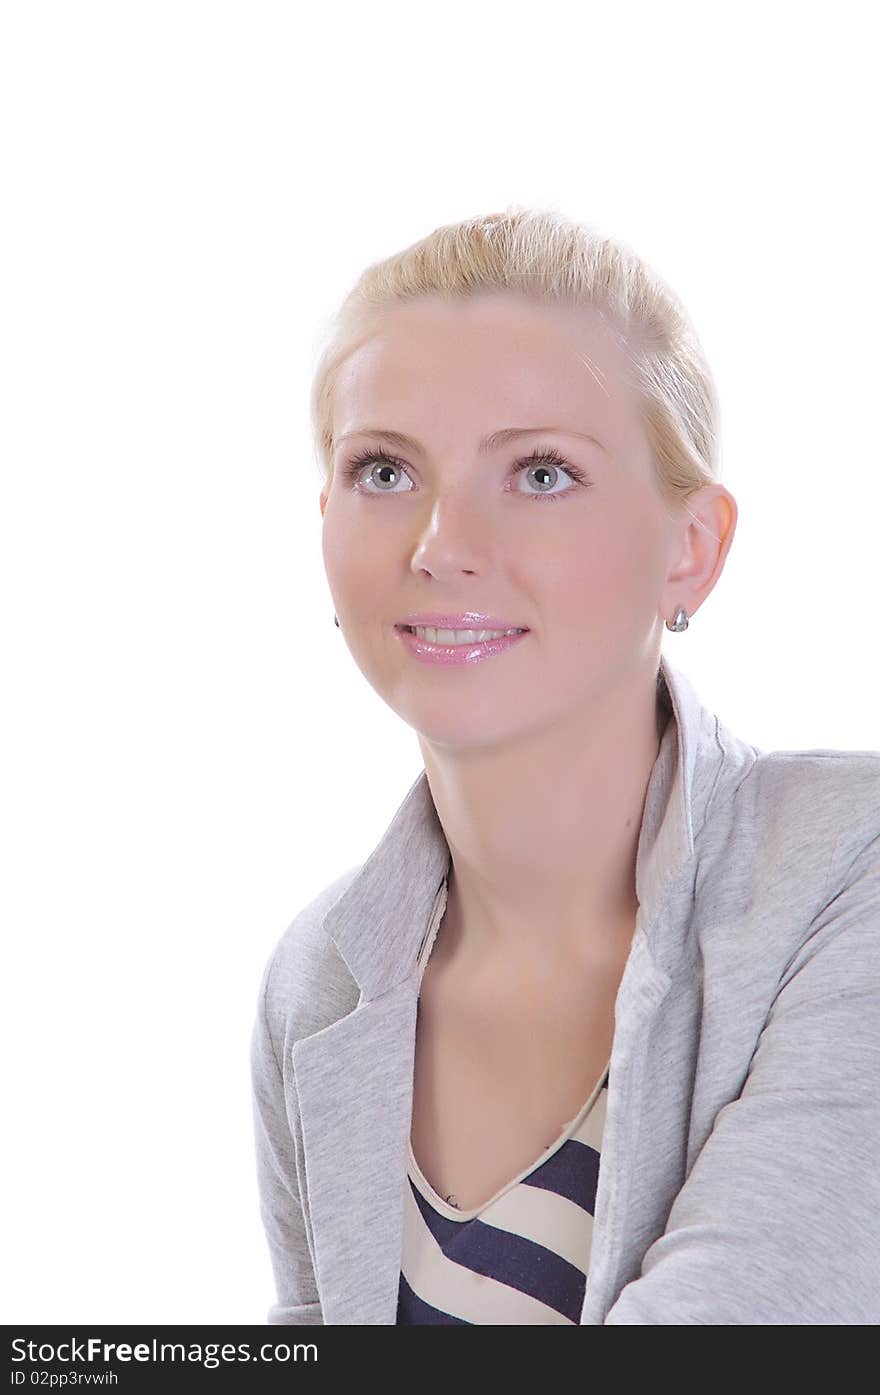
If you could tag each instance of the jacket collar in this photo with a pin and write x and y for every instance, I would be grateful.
(401, 877)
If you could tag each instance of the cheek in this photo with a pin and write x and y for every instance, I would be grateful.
(610, 557)
(345, 546)
(331, 546)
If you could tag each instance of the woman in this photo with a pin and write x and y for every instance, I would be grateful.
(600, 929)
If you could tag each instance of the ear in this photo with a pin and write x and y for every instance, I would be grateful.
(701, 546)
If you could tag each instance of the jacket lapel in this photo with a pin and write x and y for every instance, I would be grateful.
(354, 1082)
(354, 1078)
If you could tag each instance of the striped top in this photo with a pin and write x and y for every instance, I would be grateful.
(522, 1257)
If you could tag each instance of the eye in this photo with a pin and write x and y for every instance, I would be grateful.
(352, 468)
(543, 460)
(546, 460)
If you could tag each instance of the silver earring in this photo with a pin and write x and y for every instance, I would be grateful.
(336, 622)
(679, 620)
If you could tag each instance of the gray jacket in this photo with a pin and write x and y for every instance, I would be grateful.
(740, 1167)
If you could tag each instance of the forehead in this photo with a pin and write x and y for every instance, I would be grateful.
(493, 361)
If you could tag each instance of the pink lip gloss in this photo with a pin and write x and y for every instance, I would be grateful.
(428, 653)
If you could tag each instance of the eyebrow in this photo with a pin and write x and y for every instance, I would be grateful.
(488, 443)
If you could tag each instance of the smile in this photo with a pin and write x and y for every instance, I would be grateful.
(434, 646)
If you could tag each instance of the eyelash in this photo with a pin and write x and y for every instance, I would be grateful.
(539, 456)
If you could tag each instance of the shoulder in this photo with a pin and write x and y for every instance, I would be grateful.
(823, 798)
(306, 984)
(792, 832)
(785, 826)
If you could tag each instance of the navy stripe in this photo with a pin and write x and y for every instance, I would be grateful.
(510, 1259)
(413, 1311)
(441, 1227)
(572, 1172)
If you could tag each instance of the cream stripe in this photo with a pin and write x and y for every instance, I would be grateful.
(437, 913)
(592, 1125)
(458, 1290)
(547, 1218)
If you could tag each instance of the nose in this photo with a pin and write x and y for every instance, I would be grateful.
(454, 537)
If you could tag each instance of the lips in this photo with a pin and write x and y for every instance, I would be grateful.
(456, 653)
(461, 620)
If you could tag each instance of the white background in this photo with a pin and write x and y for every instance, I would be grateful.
(189, 753)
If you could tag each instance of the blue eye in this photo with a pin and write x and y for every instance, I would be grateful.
(549, 457)
(542, 457)
(353, 467)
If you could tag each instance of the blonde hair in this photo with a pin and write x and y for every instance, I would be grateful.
(544, 256)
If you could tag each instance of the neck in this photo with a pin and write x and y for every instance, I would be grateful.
(544, 833)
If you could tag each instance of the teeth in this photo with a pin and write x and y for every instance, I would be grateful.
(435, 636)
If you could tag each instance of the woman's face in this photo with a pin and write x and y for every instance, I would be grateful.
(579, 559)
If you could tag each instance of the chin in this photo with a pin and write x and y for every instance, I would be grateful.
(468, 733)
